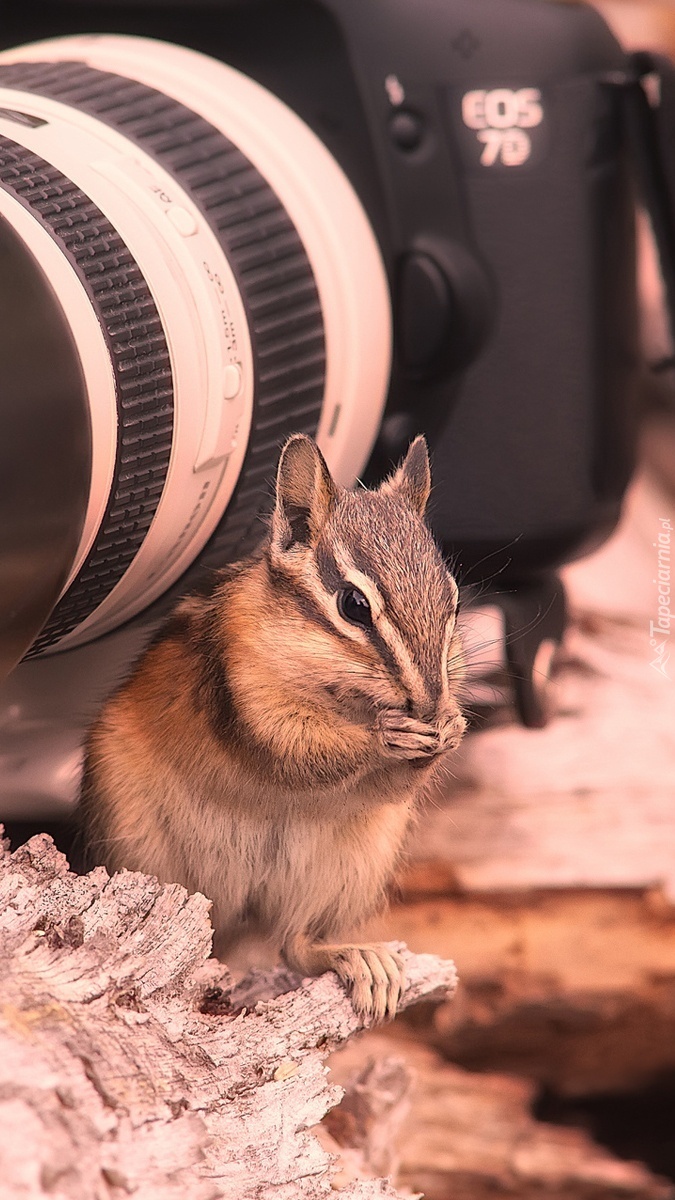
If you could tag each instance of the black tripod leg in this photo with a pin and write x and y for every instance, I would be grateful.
(534, 623)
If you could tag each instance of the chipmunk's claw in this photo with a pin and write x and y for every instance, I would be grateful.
(409, 738)
(374, 977)
(373, 974)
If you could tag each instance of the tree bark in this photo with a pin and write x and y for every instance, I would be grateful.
(130, 1065)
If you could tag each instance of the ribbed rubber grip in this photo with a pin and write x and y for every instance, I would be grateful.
(140, 361)
(263, 248)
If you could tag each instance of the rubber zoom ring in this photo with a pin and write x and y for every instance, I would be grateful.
(265, 253)
(139, 357)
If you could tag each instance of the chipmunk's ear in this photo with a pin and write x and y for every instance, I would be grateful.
(305, 494)
(412, 480)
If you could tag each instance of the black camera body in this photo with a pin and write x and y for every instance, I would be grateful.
(487, 140)
(488, 144)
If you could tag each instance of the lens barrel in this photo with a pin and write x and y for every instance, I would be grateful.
(219, 288)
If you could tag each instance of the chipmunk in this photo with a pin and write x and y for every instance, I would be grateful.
(270, 746)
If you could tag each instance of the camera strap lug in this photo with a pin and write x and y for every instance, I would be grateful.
(649, 91)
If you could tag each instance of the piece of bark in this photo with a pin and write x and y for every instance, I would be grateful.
(365, 1127)
(127, 1064)
(471, 1137)
(546, 866)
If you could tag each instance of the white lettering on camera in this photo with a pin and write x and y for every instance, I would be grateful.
(501, 117)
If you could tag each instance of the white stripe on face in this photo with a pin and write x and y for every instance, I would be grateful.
(411, 676)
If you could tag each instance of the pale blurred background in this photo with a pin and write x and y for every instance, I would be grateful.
(641, 22)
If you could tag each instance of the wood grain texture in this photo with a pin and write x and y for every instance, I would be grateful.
(112, 1079)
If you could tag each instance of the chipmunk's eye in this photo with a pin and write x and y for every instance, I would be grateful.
(354, 607)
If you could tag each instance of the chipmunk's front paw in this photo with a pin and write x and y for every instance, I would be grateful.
(373, 974)
(452, 731)
(374, 977)
(408, 738)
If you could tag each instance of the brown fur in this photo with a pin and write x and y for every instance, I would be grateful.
(269, 753)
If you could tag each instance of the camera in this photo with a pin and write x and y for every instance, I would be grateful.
(221, 223)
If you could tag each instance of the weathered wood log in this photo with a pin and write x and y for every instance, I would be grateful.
(456, 1135)
(128, 1062)
(546, 868)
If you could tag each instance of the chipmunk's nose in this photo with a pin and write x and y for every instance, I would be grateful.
(425, 709)
(437, 711)
(426, 691)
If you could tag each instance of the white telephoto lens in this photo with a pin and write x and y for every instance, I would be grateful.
(222, 287)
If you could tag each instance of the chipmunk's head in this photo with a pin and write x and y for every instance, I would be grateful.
(369, 585)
